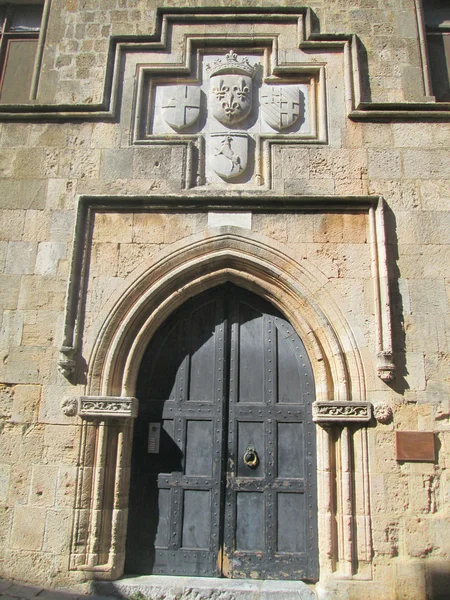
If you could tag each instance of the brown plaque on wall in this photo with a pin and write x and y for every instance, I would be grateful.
(415, 445)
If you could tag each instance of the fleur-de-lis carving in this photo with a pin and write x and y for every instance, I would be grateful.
(230, 108)
(231, 93)
(232, 97)
(242, 91)
(221, 91)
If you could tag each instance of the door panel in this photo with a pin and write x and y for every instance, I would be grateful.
(290, 525)
(231, 490)
(180, 386)
(289, 374)
(272, 418)
(163, 533)
(250, 521)
(196, 519)
(202, 355)
(199, 437)
(290, 443)
(250, 355)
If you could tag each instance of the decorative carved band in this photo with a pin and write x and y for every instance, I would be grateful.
(342, 412)
(107, 406)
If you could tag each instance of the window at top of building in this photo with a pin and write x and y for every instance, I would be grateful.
(437, 23)
(19, 32)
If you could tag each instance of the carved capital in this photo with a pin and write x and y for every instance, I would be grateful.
(94, 407)
(342, 412)
(385, 366)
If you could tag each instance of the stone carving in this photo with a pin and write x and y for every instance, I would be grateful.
(66, 362)
(230, 151)
(382, 413)
(107, 406)
(230, 96)
(66, 367)
(342, 411)
(280, 105)
(181, 105)
(70, 407)
(385, 366)
(231, 88)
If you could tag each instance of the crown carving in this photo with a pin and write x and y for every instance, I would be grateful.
(231, 64)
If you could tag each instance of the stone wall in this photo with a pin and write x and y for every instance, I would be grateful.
(79, 33)
(48, 163)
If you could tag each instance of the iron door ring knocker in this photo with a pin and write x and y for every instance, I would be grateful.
(251, 457)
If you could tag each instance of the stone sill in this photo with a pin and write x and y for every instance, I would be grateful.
(404, 111)
(159, 587)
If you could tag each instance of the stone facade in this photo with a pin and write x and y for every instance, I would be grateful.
(111, 217)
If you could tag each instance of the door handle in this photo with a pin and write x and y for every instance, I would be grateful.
(251, 458)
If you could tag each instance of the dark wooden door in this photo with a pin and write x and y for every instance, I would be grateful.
(223, 471)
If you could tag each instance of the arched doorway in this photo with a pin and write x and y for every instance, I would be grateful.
(223, 479)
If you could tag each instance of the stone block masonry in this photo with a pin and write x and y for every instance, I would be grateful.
(110, 219)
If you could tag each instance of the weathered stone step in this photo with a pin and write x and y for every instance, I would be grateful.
(158, 587)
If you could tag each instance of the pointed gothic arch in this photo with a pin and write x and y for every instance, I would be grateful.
(159, 286)
(127, 324)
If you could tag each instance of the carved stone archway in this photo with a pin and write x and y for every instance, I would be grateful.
(125, 327)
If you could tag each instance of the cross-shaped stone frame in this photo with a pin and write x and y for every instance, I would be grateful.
(150, 127)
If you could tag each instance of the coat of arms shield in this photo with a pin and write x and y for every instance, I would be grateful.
(181, 105)
(229, 154)
(231, 98)
(281, 105)
(231, 88)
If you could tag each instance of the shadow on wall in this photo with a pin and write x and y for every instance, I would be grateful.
(399, 384)
(366, 92)
(438, 581)
(364, 79)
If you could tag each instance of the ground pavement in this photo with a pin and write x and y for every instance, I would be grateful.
(14, 590)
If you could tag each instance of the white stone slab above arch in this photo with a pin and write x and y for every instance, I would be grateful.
(234, 219)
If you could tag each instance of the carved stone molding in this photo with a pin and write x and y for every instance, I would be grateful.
(342, 412)
(380, 279)
(93, 407)
(240, 256)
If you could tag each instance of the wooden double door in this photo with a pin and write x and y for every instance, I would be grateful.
(223, 479)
